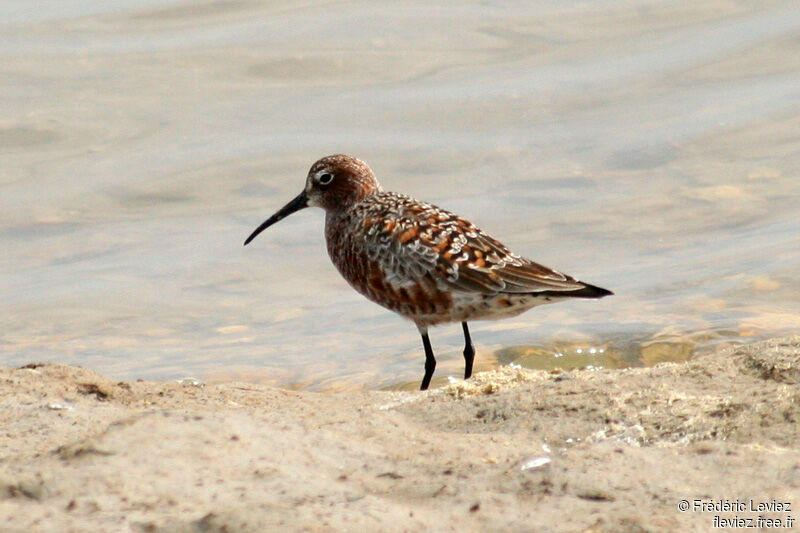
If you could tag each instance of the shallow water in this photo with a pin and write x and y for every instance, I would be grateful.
(647, 147)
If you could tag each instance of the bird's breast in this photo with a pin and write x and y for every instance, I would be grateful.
(366, 253)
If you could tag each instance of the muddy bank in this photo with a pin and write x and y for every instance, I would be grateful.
(513, 450)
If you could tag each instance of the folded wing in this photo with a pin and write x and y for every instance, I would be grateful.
(425, 243)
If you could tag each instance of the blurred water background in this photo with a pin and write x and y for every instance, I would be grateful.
(650, 147)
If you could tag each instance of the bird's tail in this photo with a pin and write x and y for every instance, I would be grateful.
(587, 291)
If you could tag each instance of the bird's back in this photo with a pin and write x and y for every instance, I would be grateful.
(433, 266)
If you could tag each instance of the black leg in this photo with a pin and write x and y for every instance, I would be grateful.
(469, 352)
(430, 361)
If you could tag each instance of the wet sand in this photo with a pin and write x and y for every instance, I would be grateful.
(509, 450)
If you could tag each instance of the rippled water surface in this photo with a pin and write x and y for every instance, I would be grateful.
(649, 147)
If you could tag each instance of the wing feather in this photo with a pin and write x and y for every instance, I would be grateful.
(418, 242)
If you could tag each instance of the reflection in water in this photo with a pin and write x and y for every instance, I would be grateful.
(612, 355)
(648, 148)
(565, 358)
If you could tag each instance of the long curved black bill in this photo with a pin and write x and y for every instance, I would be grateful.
(295, 205)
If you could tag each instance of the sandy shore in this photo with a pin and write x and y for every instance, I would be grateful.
(510, 450)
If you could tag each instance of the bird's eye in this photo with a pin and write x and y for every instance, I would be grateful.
(326, 178)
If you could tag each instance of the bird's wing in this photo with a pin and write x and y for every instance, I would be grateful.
(484, 264)
(416, 241)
